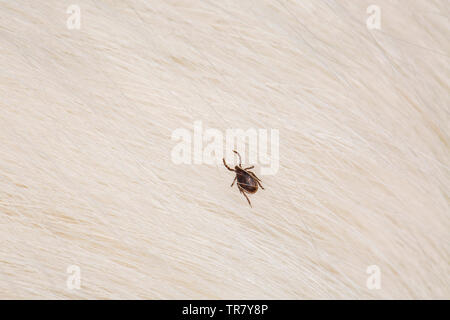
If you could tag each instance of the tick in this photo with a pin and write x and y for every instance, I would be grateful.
(247, 181)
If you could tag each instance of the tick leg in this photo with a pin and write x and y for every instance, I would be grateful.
(240, 161)
(234, 180)
(249, 168)
(243, 192)
(247, 199)
(256, 179)
(227, 165)
(254, 175)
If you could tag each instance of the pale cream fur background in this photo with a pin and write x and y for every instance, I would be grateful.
(86, 176)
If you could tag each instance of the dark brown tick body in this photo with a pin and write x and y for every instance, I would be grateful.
(247, 181)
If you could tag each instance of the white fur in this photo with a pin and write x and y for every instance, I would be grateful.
(86, 176)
